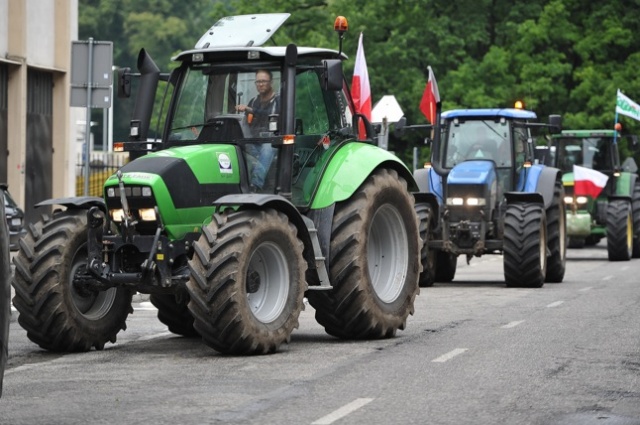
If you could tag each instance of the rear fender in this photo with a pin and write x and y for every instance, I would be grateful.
(624, 185)
(349, 168)
(429, 181)
(540, 184)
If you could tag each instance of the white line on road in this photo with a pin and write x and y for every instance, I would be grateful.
(607, 277)
(512, 324)
(451, 354)
(586, 289)
(555, 304)
(150, 337)
(343, 411)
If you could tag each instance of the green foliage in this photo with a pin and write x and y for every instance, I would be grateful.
(565, 57)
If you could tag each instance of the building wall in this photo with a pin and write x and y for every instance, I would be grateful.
(36, 35)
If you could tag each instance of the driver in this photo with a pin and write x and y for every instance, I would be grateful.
(257, 112)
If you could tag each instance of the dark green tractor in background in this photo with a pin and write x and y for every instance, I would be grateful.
(335, 221)
(615, 213)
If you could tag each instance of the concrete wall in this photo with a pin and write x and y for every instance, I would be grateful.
(38, 34)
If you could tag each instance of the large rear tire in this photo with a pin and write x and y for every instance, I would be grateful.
(427, 256)
(174, 312)
(619, 230)
(374, 261)
(56, 315)
(525, 245)
(247, 282)
(635, 206)
(5, 291)
(556, 236)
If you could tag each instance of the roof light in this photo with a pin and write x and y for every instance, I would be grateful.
(519, 104)
(341, 25)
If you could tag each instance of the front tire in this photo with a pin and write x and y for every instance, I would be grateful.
(619, 230)
(635, 206)
(374, 261)
(174, 312)
(525, 245)
(247, 282)
(446, 266)
(56, 315)
(5, 291)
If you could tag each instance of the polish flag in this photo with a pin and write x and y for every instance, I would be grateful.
(588, 182)
(430, 98)
(360, 89)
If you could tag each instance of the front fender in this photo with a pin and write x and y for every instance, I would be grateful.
(76, 202)
(349, 168)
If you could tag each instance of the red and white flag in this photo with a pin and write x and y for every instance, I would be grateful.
(360, 89)
(588, 182)
(430, 98)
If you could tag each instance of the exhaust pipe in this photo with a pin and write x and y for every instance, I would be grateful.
(149, 77)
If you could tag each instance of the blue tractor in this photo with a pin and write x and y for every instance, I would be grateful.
(484, 193)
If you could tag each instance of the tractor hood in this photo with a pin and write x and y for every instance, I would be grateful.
(184, 183)
(473, 172)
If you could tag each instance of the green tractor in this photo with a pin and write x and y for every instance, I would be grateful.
(615, 212)
(225, 256)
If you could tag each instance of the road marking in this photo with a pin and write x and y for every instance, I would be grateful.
(150, 337)
(586, 289)
(449, 355)
(512, 324)
(607, 277)
(555, 304)
(343, 411)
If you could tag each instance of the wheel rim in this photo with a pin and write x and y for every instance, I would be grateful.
(543, 247)
(267, 282)
(92, 305)
(387, 253)
(629, 232)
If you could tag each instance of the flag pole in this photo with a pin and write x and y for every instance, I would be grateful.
(615, 132)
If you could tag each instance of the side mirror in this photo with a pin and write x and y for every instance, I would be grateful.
(332, 77)
(124, 82)
(398, 128)
(630, 165)
(555, 123)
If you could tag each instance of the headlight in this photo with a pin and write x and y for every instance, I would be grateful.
(147, 214)
(111, 192)
(117, 214)
(568, 199)
(475, 202)
(471, 202)
(582, 199)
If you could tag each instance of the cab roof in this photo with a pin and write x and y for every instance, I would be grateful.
(248, 33)
(489, 113)
(586, 133)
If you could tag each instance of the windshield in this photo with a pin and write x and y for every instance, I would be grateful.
(477, 139)
(226, 103)
(590, 152)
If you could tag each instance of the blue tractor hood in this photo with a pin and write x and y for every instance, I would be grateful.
(482, 172)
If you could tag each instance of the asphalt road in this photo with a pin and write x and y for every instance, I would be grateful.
(474, 352)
